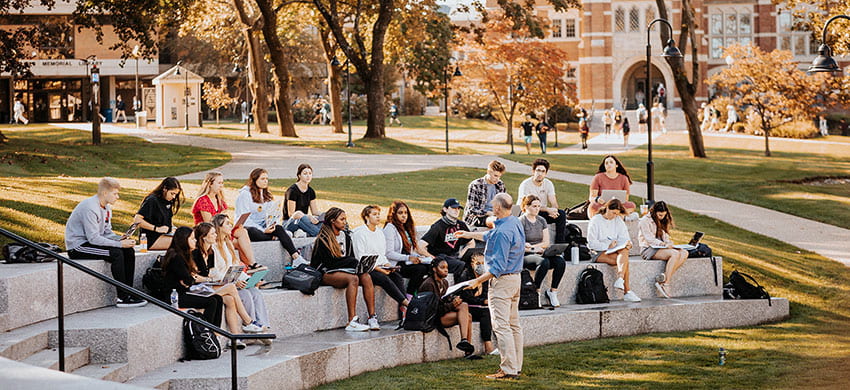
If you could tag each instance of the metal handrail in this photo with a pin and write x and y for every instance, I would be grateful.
(156, 302)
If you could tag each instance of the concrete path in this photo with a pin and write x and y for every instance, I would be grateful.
(281, 162)
(603, 144)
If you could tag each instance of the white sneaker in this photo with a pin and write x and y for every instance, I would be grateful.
(553, 298)
(631, 297)
(252, 328)
(373, 323)
(661, 291)
(620, 284)
(495, 352)
(355, 326)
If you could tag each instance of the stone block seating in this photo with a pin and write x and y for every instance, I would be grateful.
(141, 347)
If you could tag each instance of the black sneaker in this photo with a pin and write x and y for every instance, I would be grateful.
(130, 302)
(465, 346)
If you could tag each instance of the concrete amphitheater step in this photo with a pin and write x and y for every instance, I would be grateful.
(305, 361)
(75, 357)
(20, 376)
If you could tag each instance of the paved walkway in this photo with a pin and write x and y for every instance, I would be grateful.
(281, 162)
(603, 144)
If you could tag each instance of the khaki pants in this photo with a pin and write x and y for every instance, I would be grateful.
(504, 310)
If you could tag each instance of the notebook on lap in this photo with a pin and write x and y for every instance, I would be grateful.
(365, 265)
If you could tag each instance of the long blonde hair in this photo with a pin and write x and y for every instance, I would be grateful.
(222, 239)
(206, 186)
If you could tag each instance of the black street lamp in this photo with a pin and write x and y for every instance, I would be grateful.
(238, 69)
(446, 76)
(670, 51)
(335, 62)
(519, 88)
(137, 97)
(824, 61)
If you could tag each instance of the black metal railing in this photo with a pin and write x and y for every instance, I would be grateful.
(60, 260)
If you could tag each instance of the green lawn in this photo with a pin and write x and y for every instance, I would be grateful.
(362, 145)
(740, 175)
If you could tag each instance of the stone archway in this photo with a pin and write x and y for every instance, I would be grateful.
(630, 77)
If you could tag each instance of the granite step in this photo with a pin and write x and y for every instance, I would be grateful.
(321, 357)
(115, 372)
(20, 376)
(75, 357)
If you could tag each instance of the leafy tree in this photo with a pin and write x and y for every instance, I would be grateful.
(217, 97)
(811, 15)
(771, 84)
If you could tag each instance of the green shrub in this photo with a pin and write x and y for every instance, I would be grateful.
(796, 129)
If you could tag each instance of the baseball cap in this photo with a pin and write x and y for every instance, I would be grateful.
(451, 203)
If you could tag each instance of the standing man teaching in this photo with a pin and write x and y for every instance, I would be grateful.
(503, 255)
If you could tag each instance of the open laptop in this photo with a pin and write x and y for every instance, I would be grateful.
(555, 250)
(691, 244)
(607, 195)
(231, 275)
(365, 265)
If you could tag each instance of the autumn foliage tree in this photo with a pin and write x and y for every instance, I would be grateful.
(216, 96)
(770, 83)
(507, 55)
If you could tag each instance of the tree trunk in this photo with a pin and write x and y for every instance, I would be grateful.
(334, 79)
(256, 68)
(766, 143)
(281, 77)
(687, 89)
(216, 116)
(375, 126)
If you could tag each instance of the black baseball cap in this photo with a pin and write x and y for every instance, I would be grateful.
(451, 203)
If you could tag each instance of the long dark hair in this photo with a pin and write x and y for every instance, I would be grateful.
(621, 169)
(258, 195)
(326, 234)
(179, 249)
(662, 225)
(409, 245)
(201, 231)
(613, 204)
(168, 184)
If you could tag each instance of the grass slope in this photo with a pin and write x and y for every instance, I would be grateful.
(362, 145)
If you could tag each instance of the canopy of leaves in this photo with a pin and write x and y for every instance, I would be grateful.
(811, 15)
(420, 40)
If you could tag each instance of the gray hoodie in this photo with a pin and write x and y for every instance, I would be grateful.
(90, 223)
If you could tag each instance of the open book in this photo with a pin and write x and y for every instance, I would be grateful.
(615, 249)
(422, 260)
(455, 288)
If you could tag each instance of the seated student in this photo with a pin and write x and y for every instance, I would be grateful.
(332, 251)
(403, 247)
(480, 192)
(256, 199)
(452, 312)
(440, 240)
(236, 316)
(300, 199)
(477, 301)
(89, 235)
(181, 273)
(607, 230)
(209, 203)
(155, 213)
(543, 188)
(654, 233)
(224, 257)
(612, 175)
(536, 241)
(369, 240)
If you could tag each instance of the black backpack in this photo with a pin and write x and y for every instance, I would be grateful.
(154, 281)
(591, 287)
(201, 343)
(422, 312)
(739, 288)
(528, 297)
(304, 278)
(574, 234)
(17, 253)
(701, 250)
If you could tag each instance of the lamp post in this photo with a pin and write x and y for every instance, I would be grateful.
(335, 62)
(446, 76)
(824, 61)
(519, 88)
(137, 97)
(670, 50)
(95, 120)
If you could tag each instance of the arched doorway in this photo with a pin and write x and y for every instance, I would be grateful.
(633, 85)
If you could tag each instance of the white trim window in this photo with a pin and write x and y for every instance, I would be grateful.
(620, 20)
(728, 28)
(569, 28)
(557, 28)
(790, 38)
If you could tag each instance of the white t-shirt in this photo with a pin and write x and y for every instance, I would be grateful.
(367, 242)
(543, 191)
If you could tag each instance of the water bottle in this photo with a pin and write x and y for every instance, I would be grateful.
(574, 258)
(174, 299)
(143, 241)
(722, 357)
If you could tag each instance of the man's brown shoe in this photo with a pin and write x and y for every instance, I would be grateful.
(501, 375)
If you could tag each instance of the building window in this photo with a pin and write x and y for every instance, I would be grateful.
(570, 28)
(650, 16)
(790, 38)
(726, 29)
(571, 73)
(619, 20)
(634, 20)
(556, 28)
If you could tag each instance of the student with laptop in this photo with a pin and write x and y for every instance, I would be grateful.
(655, 244)
(611, 175)
(225, 260)
(181, 273)
(536, 244)
(157, 210)
(367, 240)
(608, 236)
(333, 254)
(237, 318)
(404, 248)
(263, 223)
(543, 188)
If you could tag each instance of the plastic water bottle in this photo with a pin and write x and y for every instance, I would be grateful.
(174, 298)
(143, 242)
(722, 357)
(574, 258)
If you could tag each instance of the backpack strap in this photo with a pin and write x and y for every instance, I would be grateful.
(759, 286)
(714, 268)
(445, 334)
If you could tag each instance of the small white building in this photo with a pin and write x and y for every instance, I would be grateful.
(173, 87)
